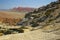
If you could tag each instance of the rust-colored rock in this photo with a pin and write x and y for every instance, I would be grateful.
(11, 21)
(10, 18)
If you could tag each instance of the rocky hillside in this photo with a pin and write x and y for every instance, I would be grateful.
(46, 18)
(43, 16)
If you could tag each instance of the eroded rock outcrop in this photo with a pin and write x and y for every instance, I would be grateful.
(45, 15)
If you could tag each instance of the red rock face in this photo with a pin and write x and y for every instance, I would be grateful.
(22, 9)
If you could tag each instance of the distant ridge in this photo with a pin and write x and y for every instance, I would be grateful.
(23, 9)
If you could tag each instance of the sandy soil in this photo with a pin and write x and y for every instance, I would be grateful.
(7, 14)
(34, 35)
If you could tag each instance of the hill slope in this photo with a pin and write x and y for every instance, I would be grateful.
(45, 15)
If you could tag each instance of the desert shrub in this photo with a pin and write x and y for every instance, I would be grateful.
(58, 16)
(34, 24)
(35, 16)
(1, 31)
(57, 39)
(21, 31)
(42, 19)
(28, 15)
(23, 27)
(39, 10)
(1, 34)
(53, 4)
(35, 11)
(18, 30)
(50, 20)
(0, 27)
(8, 32)
(11, 31)
(48, 12)
(50, 16)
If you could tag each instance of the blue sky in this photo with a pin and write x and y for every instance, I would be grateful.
(7, 4)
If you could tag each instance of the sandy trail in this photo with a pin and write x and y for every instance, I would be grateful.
(34, 35)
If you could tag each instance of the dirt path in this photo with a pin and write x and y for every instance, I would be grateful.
(34, 35)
